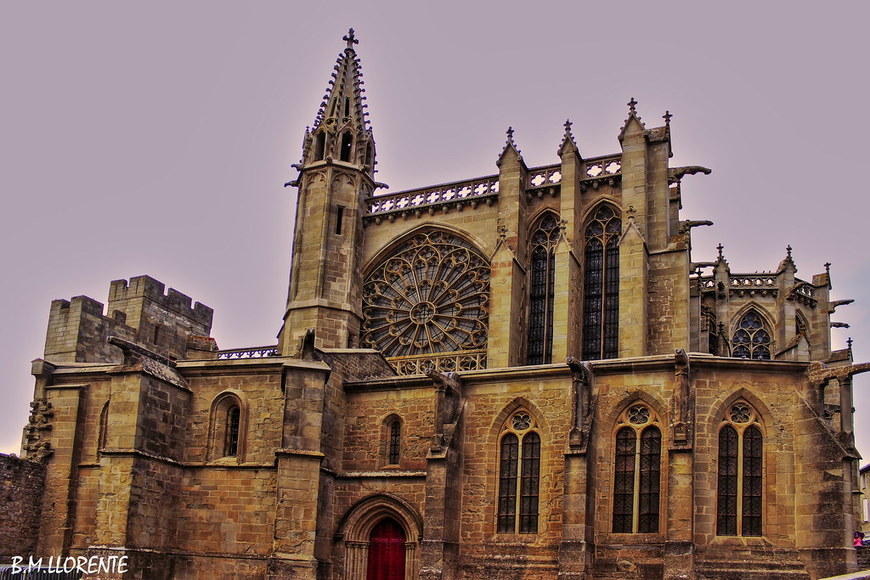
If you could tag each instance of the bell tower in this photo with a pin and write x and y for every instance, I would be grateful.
(335, 177)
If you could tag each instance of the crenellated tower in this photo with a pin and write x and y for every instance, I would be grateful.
(335, 177)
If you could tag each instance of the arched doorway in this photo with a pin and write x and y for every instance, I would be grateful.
(386, 551)
(380, 540)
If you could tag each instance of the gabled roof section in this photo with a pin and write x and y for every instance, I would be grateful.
(344, 100)
(568, 144)
(632, 124)
(510, 148)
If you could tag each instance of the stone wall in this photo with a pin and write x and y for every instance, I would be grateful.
(21, 486)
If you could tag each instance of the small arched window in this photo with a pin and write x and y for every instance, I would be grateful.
(346, 146)
(601, 285)
(392, 447)
(637, 472)
(541, 290)
(227, 430)
(740, 473)
(231, 439)
(751, 339)
(519, 475)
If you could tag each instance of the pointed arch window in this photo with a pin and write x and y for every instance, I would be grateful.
(751, 339)
(346, 146)
(320, 146)
(740, 472)
(541, 290)
(519, 475)
(601, 285)
(637, 472)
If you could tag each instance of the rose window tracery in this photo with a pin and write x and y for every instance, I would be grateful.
(430, 296)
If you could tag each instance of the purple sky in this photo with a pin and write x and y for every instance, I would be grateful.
(154, 138)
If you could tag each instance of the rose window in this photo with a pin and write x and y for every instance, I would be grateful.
(431, 295)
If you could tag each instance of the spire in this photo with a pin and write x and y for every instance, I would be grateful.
(341, 130)
(787, 262)
(344, 100)
(568, 142)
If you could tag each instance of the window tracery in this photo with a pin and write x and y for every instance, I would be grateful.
(637, 471)
(519, 475)
(740, 472)
(601, 285)
(751, 339)
(541, 290)
(430, 296)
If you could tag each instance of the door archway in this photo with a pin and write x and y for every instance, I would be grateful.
(386, 551)
(380, 540)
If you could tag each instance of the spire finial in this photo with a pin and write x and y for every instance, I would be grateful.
(788, 251)
(720, 247)
(631, 106)
(510, 135)
(667, 117)
(568, 125)
(828, 268)
(350, 39)
(849, 343)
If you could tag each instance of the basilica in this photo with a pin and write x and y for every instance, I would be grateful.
(522, 375)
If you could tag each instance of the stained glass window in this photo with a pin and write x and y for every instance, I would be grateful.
(541, 290)
(429, 296)
(740, 473)
(637, 472)
(601, 285)
(751, 340)
(519, 476)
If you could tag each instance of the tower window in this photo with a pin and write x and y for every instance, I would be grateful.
(519, 475)
(541, 291)
(740, 473)
(601, 285)
(637, 472)
(339, 216)
(319, 146)
(751, 340)
(156, 334)
(346, 146)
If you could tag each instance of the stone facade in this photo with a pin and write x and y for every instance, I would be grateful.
(678, 421)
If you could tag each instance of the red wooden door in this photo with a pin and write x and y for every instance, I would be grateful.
(386, 552)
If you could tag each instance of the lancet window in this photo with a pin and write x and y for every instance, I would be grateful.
(740, 472)
(541, 290)
(227, 430)
(751, 339)
(519, 475)
(601, 285)
(637, 472)
(430, 296)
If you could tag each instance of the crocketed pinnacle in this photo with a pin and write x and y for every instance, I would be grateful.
(344, 100)
(568, 142)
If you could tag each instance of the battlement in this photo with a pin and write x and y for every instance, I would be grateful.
(139, 287)
(138, 310)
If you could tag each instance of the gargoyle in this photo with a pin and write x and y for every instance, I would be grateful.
(677, 173)
(687, 225)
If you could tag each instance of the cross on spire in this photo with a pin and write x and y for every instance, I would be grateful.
(720, 247)
(667, 117)
(631, 105)
(350, 39)
(568, 125)
(788, 251)
(849, 342)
